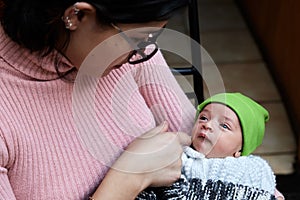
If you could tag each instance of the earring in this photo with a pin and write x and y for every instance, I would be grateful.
(67, 19)
(76, 10)
(68, 22)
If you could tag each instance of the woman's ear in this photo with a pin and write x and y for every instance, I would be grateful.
(237, 154)
(73, 14)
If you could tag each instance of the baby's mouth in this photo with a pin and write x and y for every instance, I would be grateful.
(201, 135)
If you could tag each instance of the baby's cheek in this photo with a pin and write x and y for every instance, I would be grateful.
(220, 149)
(194, 131)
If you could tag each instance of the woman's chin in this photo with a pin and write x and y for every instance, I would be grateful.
(111, 68)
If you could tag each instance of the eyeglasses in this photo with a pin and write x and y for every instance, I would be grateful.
(142, 51)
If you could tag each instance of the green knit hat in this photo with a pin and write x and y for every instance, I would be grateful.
(252, 117)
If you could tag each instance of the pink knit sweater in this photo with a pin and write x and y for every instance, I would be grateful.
(44, 153)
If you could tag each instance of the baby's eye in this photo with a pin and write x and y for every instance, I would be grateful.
(224, 126)
(203, 118)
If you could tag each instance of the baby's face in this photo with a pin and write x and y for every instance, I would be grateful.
(217, 132)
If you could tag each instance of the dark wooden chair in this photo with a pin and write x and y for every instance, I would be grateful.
(194, 31)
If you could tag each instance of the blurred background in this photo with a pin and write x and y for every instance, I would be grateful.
(254, 45)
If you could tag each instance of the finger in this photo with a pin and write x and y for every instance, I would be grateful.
(163, 127)
(184, 139)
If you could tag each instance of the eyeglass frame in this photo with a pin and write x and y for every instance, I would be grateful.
(141, 45)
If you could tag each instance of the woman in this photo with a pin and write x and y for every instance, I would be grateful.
(43, 151)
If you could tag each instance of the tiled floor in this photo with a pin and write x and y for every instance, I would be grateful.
(228, 41)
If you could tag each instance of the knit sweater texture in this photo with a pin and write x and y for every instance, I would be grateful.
(43, 154)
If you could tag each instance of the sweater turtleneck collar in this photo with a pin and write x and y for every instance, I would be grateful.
(30, 64)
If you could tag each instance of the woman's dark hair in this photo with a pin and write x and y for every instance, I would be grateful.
(1, 8)
(37, 24)
(137, 11)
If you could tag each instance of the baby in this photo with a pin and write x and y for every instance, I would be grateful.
(218, 165)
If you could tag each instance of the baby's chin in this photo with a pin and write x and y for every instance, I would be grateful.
(197, 147)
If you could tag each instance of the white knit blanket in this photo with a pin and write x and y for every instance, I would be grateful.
(252, 171)
(243, 178)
